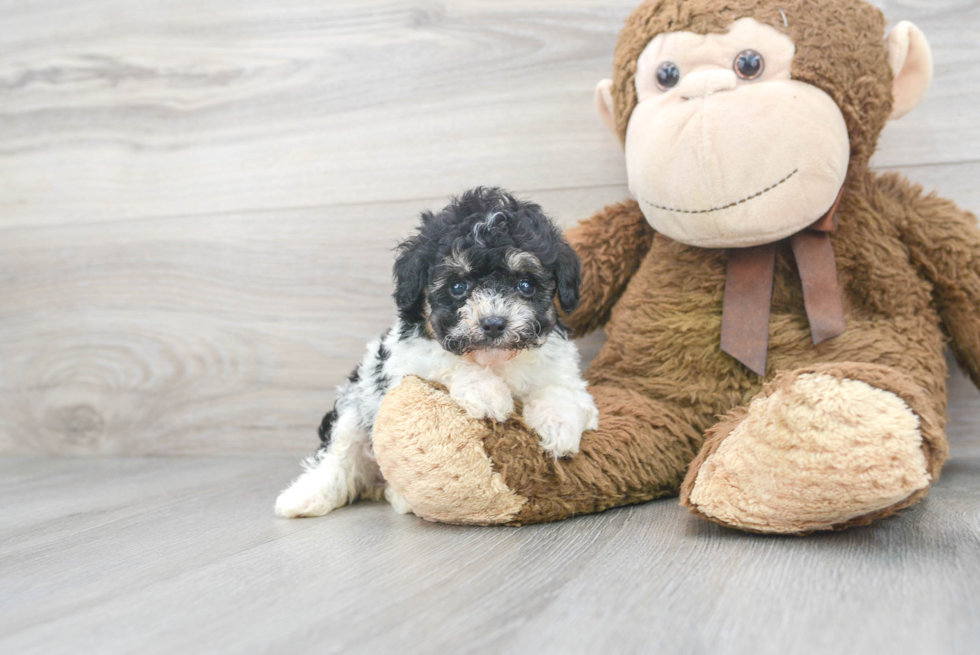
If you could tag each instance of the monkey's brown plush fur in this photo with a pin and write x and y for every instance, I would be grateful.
(909, 267)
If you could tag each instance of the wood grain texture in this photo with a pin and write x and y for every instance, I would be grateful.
(199, 197)
(169, 555)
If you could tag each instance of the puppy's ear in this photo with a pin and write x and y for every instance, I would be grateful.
(411, 273)
(568, 272)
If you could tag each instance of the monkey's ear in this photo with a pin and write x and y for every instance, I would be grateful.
(569, 275)
(910, 59)
(604, 104)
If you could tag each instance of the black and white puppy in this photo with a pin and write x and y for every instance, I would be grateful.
(475, 291)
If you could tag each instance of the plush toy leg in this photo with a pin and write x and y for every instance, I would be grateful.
(821, 448)
(432, 458)
(451, 468)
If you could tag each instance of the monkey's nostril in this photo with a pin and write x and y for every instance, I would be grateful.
(493, 326)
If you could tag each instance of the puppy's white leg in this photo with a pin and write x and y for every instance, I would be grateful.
(559, 415)
(481, 393)
(396, 500)
(334, 476)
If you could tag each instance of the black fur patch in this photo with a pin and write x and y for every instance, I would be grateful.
(381, 380)
(484, 224)
(326, 425)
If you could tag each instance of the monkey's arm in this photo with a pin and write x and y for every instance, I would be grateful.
(611, 246)
(944, 241)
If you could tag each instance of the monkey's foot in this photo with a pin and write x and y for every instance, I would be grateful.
(431, 453)
(450, 467)
(821, 448)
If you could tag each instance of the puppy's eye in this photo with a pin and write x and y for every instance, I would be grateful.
(749, 64)
(668, 74)
(526, 287)
(459, 288)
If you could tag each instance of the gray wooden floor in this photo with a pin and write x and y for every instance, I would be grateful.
(168, 555)
(164, 555)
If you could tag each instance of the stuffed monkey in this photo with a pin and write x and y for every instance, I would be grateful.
(776, 313)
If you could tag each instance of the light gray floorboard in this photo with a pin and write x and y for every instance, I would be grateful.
(164, 555)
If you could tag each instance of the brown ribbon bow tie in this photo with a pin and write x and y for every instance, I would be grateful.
(748, 292)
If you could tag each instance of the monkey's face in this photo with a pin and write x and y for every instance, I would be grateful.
(724, 149)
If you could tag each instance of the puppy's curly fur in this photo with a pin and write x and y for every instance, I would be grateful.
(475, 290)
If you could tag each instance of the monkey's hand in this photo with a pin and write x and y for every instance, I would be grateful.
(560, 415)
(944, 242)
(611, 244)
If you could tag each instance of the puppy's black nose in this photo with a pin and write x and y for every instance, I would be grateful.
(493, 326)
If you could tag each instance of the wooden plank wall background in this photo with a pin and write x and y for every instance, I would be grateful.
(198, 198)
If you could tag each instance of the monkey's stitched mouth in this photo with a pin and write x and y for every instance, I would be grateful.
(717, 209)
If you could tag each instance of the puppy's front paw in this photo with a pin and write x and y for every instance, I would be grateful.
(483, 395)
(559, 417)
(306, 498)
(558, 431)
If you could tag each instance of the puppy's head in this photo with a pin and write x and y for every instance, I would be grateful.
(481, 276)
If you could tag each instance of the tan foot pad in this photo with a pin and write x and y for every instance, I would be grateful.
(432, 455)
(813, 455)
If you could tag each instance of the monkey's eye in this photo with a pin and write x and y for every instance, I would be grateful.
(749, 64)
(668, 75)
(525, 286)
(459, 288)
